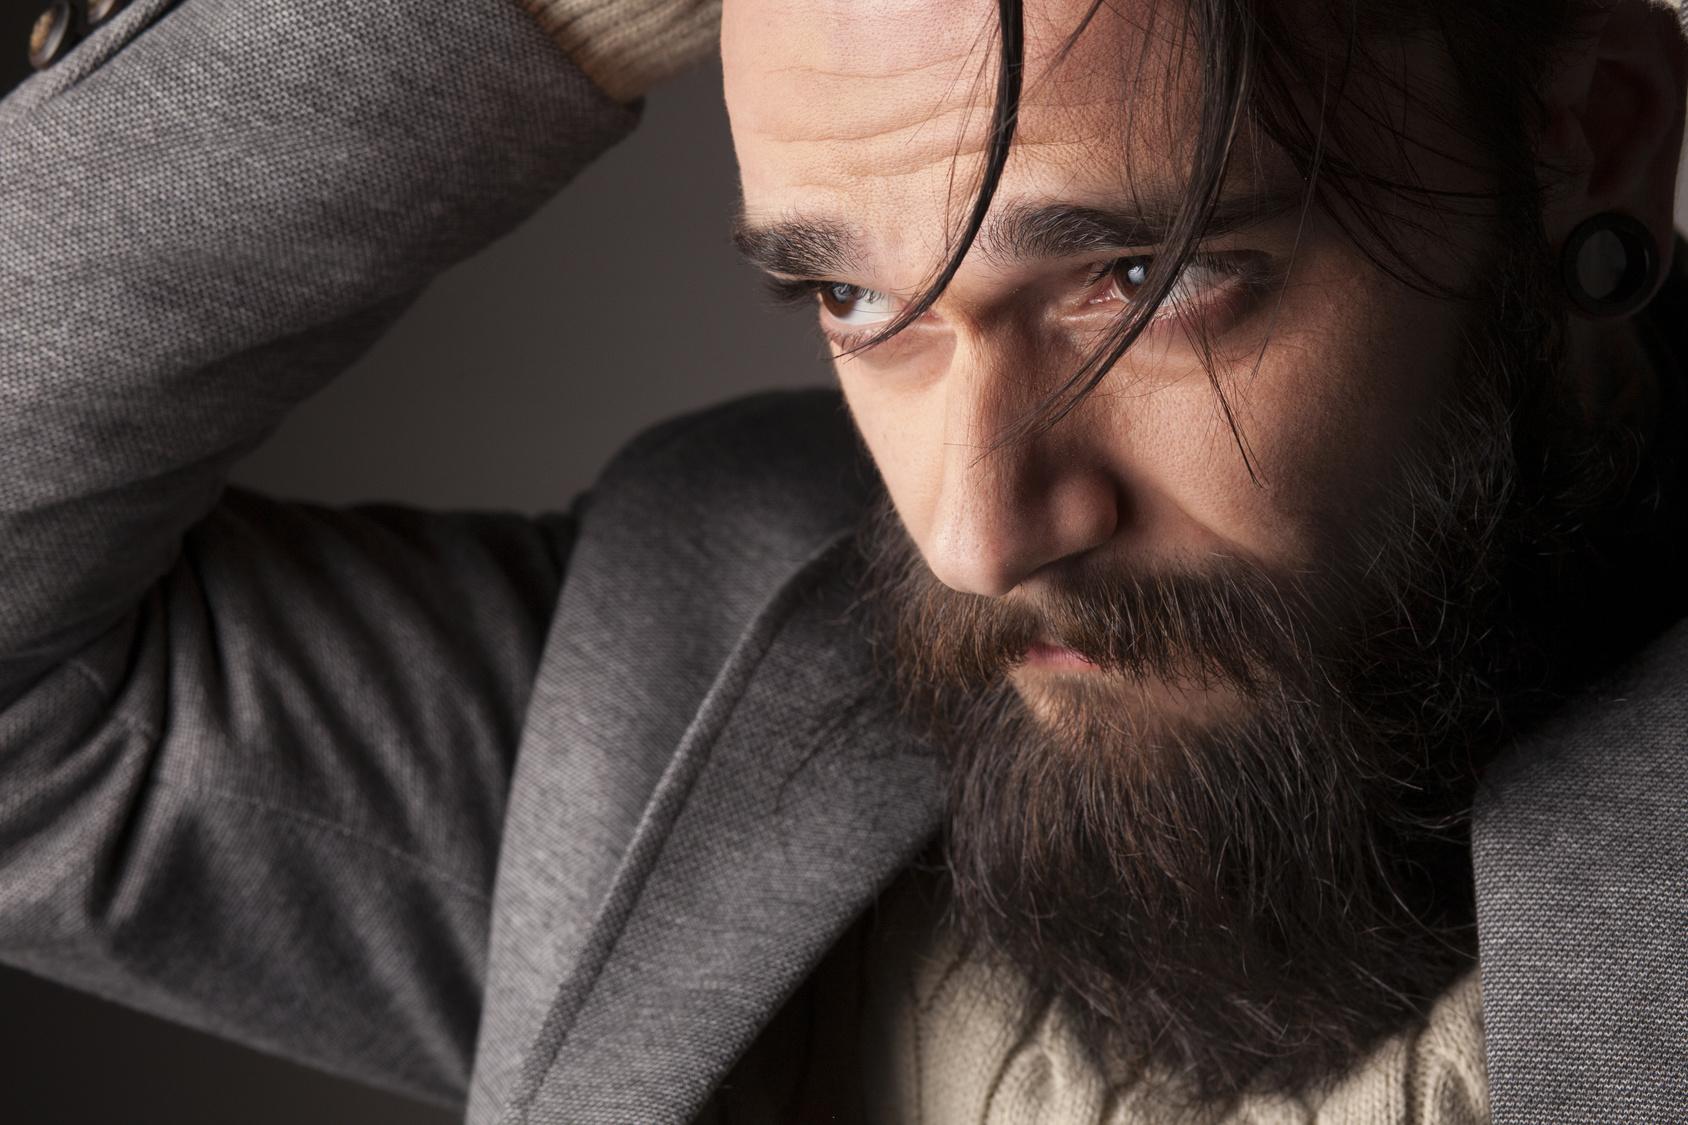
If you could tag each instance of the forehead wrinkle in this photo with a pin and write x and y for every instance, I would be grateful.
(844, 73)
(836, 93)
(810, 137)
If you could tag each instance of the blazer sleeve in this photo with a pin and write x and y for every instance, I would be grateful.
(253, 756)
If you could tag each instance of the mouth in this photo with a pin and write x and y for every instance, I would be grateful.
(1056, 658)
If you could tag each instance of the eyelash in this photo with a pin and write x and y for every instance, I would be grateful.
(787, 293)
(852, 341)
(1106, 269)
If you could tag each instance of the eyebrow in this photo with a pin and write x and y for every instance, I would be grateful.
(818, 250)
(1064, 230)
(797, 247)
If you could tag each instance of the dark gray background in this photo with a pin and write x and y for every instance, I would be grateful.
(519, 373)
(508, 385)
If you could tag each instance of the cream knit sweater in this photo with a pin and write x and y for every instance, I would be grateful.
(945, 1044)
(630, 46)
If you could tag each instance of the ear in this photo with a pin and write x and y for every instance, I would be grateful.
(1615, 108)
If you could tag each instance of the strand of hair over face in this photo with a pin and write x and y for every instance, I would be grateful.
(1285, 83)
(1005, 116)
(1226, 30)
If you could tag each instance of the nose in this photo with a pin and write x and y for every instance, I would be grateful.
(1005, 508)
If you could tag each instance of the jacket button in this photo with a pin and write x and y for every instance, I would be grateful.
(99, 11)
(53, 36)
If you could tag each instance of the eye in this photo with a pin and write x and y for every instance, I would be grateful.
(853, 305)
(1199, 278)
(1130, 274)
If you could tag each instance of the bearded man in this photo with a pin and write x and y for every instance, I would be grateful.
(1222, 665)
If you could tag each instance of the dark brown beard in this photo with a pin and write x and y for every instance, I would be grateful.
(1247, 902)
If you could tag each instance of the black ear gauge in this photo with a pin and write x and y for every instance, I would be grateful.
(1609, 265)
(54, 34)
(101, 11)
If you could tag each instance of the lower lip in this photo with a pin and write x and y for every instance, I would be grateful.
(1057, 657)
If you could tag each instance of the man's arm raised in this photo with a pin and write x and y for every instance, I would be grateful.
(253, 756)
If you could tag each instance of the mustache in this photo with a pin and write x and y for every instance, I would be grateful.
(1224, 619)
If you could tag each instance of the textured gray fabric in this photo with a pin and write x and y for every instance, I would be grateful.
(218, 218)
(685, 542)
(253, 780)
(783, 814)
(1581, 851)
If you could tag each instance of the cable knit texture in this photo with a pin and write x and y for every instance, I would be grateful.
(631, 46)
(947, 1043)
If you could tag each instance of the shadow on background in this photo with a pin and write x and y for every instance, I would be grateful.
(16, 16)
(67, 1058)
(508, 385)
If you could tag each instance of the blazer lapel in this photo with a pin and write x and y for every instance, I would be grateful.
(681, 546)
(794, 798)
(1581, 855)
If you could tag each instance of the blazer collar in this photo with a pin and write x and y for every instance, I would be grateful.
(794, 797)
(1581, 852)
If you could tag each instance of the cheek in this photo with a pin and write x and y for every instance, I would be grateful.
(901, 412)
(1337, 407)
(1326, 411)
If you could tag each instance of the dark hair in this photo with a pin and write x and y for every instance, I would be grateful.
(1315, 84)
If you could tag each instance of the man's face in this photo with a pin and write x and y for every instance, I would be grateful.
(860, 131)
(1201, 653)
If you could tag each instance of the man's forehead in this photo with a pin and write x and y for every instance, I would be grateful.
(887, 40)
(836, 46)
(873, 115)
(837, 84)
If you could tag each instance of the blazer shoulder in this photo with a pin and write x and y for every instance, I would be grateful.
(788, 463)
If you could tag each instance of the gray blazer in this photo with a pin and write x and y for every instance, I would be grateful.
(548, 815)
